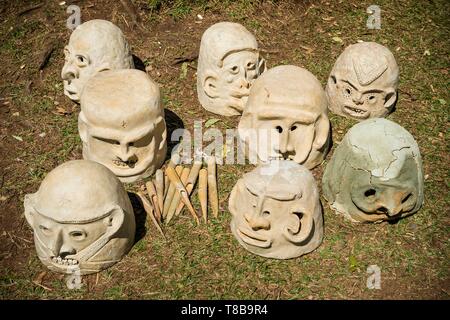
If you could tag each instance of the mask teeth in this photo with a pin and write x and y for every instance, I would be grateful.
(64, 262)
(124, 164)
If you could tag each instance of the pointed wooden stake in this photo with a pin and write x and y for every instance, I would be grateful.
(177, 196)
(212, 186)
(173, 177)
(203, 193)
(151, 191)
(159, 185)
(190, 184)
(171, 190)
(148, 208)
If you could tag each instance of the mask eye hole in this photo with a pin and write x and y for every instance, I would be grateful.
(250, 65)
(77, 235)
(372, 99)
(81, 61)
(265, 213)
(333, 79)
(293, 128)
(347, 92)
(407, 197)
(279, 129)
(370, 193)
(234, 69)
(110, 141)
(44, 229)
(298, 214)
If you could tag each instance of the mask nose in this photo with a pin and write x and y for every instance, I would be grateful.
(56, 245)
(257, 222)
(392, 204)
(357, 98)
(66, 250)
(244, 83)
(69, 72)
(285, 144)
(125, 154)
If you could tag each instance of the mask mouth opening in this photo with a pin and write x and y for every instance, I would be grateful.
(356, 112)
(60, 261)
(125, 164)
(253, 239)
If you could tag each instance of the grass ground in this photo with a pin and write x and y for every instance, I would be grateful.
(39, 131)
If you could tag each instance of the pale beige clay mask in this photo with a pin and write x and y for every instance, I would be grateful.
(375, 174)
(82, 218)
(286, 117)
(121, 123)
(276, 211)
(228, 63)
(363, 82)
(94, 46)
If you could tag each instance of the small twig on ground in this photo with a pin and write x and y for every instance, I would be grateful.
(28, 9)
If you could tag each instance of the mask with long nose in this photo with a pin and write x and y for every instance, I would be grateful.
(94, 46)
(286, 118)
(82, 218)
(122, 124)
(363, 82)
(375, 174)
(276, 211)
(228, 63)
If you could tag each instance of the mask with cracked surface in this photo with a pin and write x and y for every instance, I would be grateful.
(375, 173)
(276, 211)
(82, 218)
(94, 46)
(363, 82)
(286, 118)
(228, 63)
(121, 123)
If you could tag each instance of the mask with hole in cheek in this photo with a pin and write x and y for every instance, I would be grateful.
(94, 46)
(122, 124)
(375, 174)
(82, 218)
(363, 82)
(228, 63)
(286, 118)
(276, 211)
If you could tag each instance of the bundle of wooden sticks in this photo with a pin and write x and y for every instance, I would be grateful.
(169, 192)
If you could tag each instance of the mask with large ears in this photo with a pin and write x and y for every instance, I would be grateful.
(375, 174)
(122, 124)
(82, 218)
(363, 82)
(228, 63)
(286, 117)
(276, 211)
(94, 46)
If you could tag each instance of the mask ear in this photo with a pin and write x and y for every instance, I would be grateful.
(262, 67)
(82, 127)
(232, 205)
(210, 85)
(28, 203)
(160, 130)
(322, 132)
(390, 99)
(114, 221)
(103, 67)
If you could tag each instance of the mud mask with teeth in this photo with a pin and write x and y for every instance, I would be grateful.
(276, 211)
(375, 174)
(82, 218)
(363, 82)
(286, 117)
(94, 46)
(228, 63)
(122, 124)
